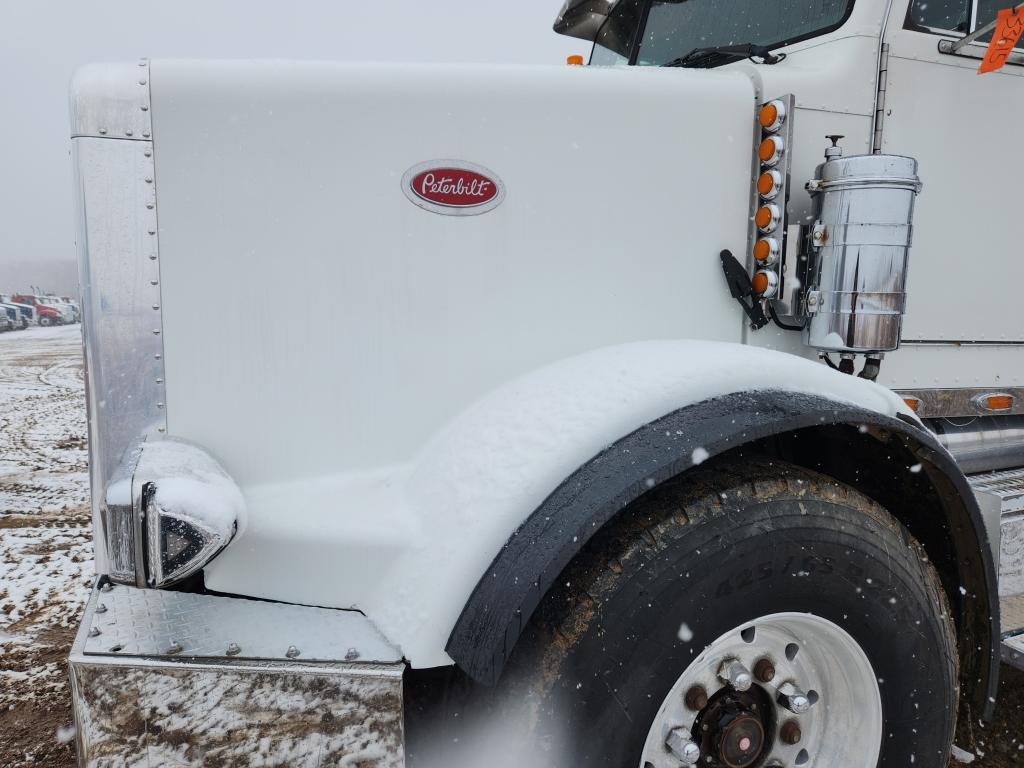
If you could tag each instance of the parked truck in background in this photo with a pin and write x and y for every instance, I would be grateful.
(637, 395)
(68, 311)
(15, 315)
(28, 312)
(46, 313)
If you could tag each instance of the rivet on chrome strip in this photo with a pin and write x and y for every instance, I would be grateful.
(173, 648)
(292, 652)
(352, 654)
(234, 649)
(94, 632)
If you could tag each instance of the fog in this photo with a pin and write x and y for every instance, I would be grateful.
(42, 43)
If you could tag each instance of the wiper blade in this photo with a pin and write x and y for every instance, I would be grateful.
(702, 57)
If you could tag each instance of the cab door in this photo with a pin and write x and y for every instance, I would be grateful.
(966, 270)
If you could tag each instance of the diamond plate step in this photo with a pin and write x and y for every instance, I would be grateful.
(126, 621)
(1013, 650)
(1008, 485)
(1005, 490)
(172, 679)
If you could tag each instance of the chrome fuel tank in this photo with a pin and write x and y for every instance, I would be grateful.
(859, 246)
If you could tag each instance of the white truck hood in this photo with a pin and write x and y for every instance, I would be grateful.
(274, 174)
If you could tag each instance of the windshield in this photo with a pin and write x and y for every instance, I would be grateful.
(672, 28)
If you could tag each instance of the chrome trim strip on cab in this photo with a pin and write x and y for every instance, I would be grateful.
(962, 402)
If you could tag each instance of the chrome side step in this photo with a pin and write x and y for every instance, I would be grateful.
(1006, 489)
(170, 678)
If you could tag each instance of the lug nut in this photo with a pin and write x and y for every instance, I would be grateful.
(793, 699)
(764, 671)
(733, 673)
(696, 698)
(790, 732)
(680, 745)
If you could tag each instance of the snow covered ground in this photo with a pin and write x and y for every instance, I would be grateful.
(45, 546)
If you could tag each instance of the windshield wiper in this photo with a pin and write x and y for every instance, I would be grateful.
(703, 57)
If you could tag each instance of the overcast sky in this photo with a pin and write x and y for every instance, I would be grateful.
(42, 42)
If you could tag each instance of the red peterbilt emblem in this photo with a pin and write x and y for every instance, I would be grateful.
(453, 188)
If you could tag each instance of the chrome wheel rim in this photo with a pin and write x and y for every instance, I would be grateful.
(788, 689)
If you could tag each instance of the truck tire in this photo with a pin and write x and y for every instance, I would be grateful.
(820, 610)
(45, 321)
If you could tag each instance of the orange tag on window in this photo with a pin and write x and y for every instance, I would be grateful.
(1010, 23)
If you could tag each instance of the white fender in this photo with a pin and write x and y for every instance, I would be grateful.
(406, 545)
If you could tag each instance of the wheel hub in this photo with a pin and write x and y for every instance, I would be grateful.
(733, 729)
(812, 697)
(741, 742)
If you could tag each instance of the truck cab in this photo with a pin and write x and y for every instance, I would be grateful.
(642, 402)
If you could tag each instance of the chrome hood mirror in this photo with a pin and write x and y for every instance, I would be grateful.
(168, 510)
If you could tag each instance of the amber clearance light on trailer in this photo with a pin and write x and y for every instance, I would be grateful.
(574, 60)
(772, 115)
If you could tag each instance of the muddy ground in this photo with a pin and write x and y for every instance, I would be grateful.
(46, 556)
(45, 549)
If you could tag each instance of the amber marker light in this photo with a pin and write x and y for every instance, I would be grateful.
(770, 150)
(913, 403)
(764, 283)
(995, 402)
(766, 250)
(768, 184)
(772, 115)
(768, 217)
(575, 60)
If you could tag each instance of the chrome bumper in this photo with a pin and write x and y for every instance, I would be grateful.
(173, 679)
